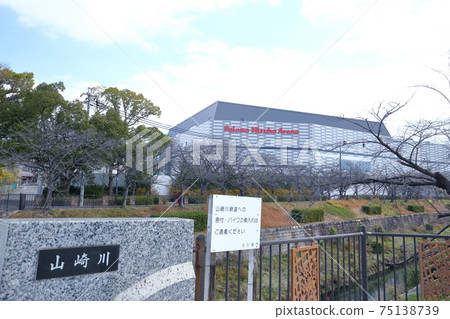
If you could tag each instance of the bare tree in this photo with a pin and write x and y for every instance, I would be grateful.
(409, 150)
(51, 150)
(412, 147)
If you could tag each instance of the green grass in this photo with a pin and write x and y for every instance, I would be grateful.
(113, 212)
(200, 218)
(342, 212)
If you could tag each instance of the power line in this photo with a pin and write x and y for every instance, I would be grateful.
(132, 59)
(318, 59)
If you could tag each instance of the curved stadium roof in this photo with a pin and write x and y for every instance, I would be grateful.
(241, 112)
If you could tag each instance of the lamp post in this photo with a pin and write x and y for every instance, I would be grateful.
(340, 168)
(117, 186)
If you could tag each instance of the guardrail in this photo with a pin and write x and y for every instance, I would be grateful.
(356, 266)
(11, 202)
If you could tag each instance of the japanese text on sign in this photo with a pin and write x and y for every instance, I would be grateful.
(74, 261)
(235, 223)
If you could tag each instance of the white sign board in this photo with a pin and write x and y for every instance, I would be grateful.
(234, 222)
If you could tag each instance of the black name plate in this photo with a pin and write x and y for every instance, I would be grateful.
(75, 261)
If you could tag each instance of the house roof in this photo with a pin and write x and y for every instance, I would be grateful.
(241, 112)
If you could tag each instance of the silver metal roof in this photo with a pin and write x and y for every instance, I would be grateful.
(241, 112)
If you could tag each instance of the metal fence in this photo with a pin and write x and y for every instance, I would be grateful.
(7, 188)
(13, 202)
(357, 266)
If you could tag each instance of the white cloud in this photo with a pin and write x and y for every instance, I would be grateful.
(74, 91)
(275, 3)
(214, 71)
(331, 11)
(132, 21)
(393, 44)
(404, 28)
(401, 37)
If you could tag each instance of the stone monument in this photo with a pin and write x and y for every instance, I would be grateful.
(96, 259)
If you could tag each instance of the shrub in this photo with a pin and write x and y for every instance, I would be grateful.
(412, 277)
(200, 218)
(377, 228)
(376, 247)
(89, 190)
(305, 215)
(429, 227)
(416, 208)
(145, 200)
(372, 210)
(120, 200)
(333, 231)
(267, 198)
(197, 199)
(142, 191)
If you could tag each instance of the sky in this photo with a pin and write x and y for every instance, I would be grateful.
(323, 56)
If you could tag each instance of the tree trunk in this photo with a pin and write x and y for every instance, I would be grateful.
(110, 181)
(203, 188)
(49, 197)
(442, 182)
(125, 191)
(81, 200)
(180, 198)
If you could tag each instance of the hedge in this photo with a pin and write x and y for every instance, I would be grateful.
(416, 208)
(372, 210)
(305, 215)
(267, 198)
(198, 199)
(147, 200)
(200, 218)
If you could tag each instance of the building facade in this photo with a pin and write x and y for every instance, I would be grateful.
(284, 137)
(296, 138)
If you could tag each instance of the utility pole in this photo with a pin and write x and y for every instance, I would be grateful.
(88, 108)
(88, 99)
(341, 186)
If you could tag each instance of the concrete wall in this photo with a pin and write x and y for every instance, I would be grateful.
(155, 259)
(390, 223)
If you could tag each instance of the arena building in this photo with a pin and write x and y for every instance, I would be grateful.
(293, 138)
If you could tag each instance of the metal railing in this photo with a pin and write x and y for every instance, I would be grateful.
(397, 264)
(13, 202)
(356, 266)
(5, 188)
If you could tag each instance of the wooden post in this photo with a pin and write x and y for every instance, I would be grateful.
(251, 268)
(200, 270)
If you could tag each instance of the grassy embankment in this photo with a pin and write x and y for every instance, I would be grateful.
(276, 215)
(273, 214)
